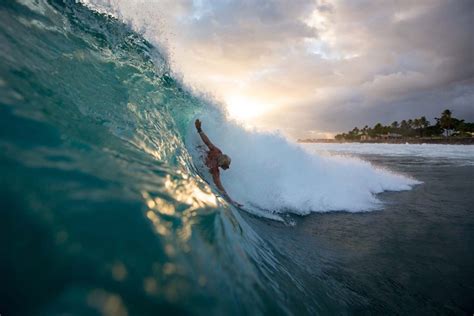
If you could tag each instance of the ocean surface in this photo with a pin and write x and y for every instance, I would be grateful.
(106, 207)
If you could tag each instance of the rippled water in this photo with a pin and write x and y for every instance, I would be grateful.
(415, 256)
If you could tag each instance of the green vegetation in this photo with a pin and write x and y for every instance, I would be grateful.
(446, 126)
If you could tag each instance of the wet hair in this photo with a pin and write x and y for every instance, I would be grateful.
(224, 160)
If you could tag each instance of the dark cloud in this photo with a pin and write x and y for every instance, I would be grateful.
(411, 61)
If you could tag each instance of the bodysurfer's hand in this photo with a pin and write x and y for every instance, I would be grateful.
(235, 203)
(197, 123)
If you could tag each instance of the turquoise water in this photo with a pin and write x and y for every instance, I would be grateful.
(104, 210)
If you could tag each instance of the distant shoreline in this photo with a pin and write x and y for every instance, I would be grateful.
(441, 141)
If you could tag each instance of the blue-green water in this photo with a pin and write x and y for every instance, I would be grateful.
(104, 211)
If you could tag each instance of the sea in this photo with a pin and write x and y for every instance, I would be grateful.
(106, 207)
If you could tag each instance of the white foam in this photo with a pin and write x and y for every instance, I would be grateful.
(456, 154)
(268, 172)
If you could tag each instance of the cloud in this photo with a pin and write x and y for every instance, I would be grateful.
(320, 66)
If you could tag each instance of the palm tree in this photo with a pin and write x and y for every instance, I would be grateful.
(365, 129)
(446, 121)
(417, 125)
(378, 129)
(424, 124)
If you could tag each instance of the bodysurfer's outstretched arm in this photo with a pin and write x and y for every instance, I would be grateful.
(204, 137)
(217, 180)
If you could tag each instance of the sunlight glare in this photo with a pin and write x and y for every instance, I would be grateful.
(243, 108)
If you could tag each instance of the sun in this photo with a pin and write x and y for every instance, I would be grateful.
(243, 108)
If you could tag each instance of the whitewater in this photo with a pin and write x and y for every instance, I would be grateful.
(106, 205)
(273, 174)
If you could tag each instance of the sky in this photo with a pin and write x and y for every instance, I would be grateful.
(315, 68)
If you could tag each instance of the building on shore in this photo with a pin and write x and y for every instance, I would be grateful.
(390, 136)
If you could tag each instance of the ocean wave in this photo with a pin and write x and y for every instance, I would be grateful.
(269, 174)
(99, 164)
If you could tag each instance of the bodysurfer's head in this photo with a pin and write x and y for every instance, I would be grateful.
(224, 161)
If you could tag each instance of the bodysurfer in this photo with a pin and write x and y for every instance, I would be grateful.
(215, 159)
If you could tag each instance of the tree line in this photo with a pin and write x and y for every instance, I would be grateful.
(446, 125)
